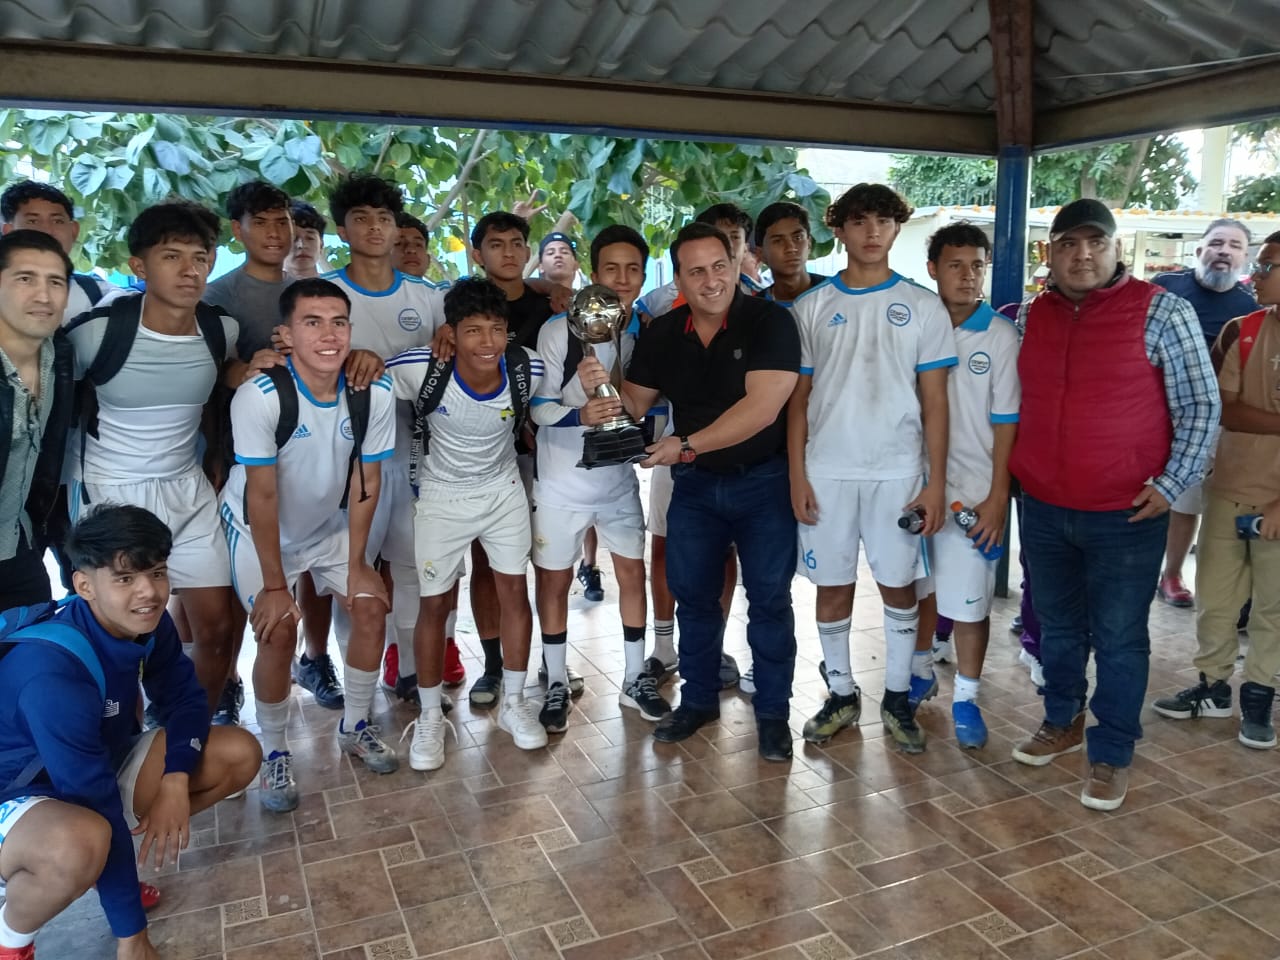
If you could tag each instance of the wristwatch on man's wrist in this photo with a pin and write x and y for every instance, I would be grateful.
(687, 453)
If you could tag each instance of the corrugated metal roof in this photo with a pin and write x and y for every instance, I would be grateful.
(913, 53)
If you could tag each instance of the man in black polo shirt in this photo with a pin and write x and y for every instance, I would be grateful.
(728, 364)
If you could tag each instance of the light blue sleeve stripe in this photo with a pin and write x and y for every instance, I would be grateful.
(935, 364)
(806, 371)
(1004, 418)
(375, 457)
(538, 401)
(255, 461)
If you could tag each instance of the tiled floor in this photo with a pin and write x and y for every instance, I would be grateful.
(608, 845)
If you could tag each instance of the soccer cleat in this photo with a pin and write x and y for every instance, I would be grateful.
(1205, 699)
(729, 672)
(834, 715)
(1256, 728)
(484, 692)
(1174, 592)
(279, 791)
(228, 712)
(455, 674)
(364, 742)
(642, 694)
(922, 689)
(1049, 741)
(576, 683)
(971, 729)
(554, 715)
(589, 577)
(321, 679)
(900, 722)
(426, 749)
(516, 716)
(1029, 660)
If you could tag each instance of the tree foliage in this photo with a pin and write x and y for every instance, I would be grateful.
(115, 164)
(1152, 172)
(1261, 193)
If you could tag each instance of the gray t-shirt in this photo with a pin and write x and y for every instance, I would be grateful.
(254, 303)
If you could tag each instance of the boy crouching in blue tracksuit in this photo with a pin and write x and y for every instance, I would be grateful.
(76, 774)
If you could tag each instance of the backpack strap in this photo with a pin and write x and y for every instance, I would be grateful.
(429, 396)
(89, 287)
(1250, 326)
(573, 355)
(209, 322)
(287, 391)
(358, 404)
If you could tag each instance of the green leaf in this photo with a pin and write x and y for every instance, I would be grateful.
(581, 200)
(400, 154)
(136, 144)
(171, 126)
(305, 150)
(170, 157)
(276, 167)
(601, 156)
(155, 185)
(119, 176)
(85, 128)
(45, 136)
(87, 174)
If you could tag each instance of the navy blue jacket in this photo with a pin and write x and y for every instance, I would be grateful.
(50, 707)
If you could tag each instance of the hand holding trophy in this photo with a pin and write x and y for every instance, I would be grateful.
(596, 317)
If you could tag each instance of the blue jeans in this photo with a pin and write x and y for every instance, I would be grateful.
(1093, 575)
(710, 511)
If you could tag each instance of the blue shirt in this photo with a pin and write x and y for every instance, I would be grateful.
(50, 707)
(1213, 309)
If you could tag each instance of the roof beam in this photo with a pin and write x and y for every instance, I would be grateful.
(1216, 99)
(104, 77)
(1011, 60)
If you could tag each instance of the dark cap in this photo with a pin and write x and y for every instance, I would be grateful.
(552, 238)
(1083, 213)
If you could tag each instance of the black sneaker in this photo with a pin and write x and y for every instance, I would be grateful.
(589, 577)
(321, 679)
(229, 704)
(655, 668)
(1256, 729)
(1205, 699)
(405, 689)
(642, 694)
(554, 715)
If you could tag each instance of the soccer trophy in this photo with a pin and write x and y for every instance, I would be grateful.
(596, 317)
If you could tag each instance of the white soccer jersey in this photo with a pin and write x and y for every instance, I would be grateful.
(311, 468)
(559, 481)
(864, 350)
(149, 412)
(472, 445)
(80, 300)
(983, 390)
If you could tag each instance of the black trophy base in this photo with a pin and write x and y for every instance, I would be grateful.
(609, 448)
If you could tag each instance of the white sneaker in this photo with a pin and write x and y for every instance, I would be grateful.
(519, 718)
(426, 751)
(943, 651)
(747, 682)
(1028, 660)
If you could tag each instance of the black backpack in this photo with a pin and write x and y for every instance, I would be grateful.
(519, 377)
(124, 314)
(357, 408)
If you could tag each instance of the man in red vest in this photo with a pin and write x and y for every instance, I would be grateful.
(1119, 409)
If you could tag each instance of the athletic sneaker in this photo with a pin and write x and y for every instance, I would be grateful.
(320, 677)
(589, 577)
(943, 650)
(1015, 625)
(1049, 741)
(279, 791)
(405, 689)
(576, 683)
(455, 674)
(836, 714)
(229, 704)
(1256, 729)
(1105, 787)
(364, 742)
(18, 953)
(484, 692)
(747, 682)
(516, 716)
(971, 729)
(1028, 660)
(554, 715)
(426, 750)
(922, 689)
(1205, 699)
(655, 668)
(729, 672)
(900, 722)
(390, 665)
(642, 694)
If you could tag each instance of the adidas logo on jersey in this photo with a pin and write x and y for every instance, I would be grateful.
(837, 320)
(442, 410)
(301, 433)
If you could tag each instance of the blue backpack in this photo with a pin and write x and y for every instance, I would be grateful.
(40, 624)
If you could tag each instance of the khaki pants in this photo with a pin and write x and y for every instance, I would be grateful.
(1228, 571)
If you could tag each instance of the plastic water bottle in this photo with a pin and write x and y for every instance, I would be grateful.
(1249, 527)
(968, 519)
(913, 520)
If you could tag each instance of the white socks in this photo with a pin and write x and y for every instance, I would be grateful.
(900, 628)
(922, 664)
(10, 937)
(432, 698)
(664, 640)
(357, 688)
(513, 683)
(273, 719)
(966, 688)
(835, 652)
(451, 625)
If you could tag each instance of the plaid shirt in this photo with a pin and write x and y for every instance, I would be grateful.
(1175, 344)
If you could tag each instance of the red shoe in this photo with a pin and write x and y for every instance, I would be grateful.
(391, 666)
(18, 953)
(150, 894)
(1174, 592)
(454, 672)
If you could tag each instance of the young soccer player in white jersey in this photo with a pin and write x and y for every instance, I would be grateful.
(391, 312)
(871, 399)
(139, 446)
(468, 411)
(281, 515)
(569, 500)
(983, 394)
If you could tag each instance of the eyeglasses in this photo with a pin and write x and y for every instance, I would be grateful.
(1260, 269)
